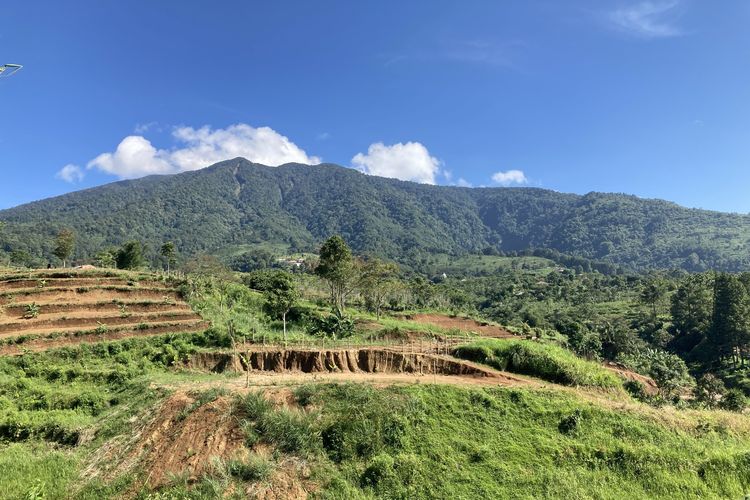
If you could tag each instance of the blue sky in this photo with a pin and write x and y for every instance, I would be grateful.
(649, 98)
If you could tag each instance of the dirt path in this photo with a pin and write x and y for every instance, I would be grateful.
(256, 380)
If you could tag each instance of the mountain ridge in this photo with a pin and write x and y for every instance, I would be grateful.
(236, 202)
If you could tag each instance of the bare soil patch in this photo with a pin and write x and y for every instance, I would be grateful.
(463, 324)
(387, 365)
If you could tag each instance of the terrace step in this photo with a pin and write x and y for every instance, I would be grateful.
(29, 343)
(73, 324)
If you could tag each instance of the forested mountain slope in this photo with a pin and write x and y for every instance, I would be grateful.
(239, 203)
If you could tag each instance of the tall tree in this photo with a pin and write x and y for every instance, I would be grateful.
(653, 294)
(130, 256)
(169, 252)
(337, 268)
(281, 295)
(691, 308)
(64, 245)
(377, 280)
(730, 323)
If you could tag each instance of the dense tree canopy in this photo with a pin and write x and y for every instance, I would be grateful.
(237, 203)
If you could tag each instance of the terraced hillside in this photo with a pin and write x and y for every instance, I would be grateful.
(44, 309)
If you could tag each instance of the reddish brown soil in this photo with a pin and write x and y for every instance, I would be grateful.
(75, 296)
(350, 364)
(462, 324)
(92, 337)
(648, 383)
(75, 282)
(85, 321)
(183, 441)
(54, 309)
(72, 308)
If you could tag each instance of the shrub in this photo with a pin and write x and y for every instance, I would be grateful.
(331, 326)
(734, 400)
(636, 389)
(290, 431)
(31, 311)
(569, 424)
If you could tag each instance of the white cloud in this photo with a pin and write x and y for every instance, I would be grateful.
(510, 177)
(461, 182)
(408, 162)
(70, 173)
(198, 148)
(134, 157)
(647, 19)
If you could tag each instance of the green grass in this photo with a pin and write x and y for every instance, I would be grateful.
(546, 361)
(445, 442)
(419, 441)
(36, 470)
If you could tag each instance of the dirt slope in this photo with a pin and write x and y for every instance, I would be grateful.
(44, 309)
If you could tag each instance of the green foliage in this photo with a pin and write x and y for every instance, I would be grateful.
(31, 310)
(458, 443)
(280, 295)
(546, 361)
(336, 266)
(130, 256)
(709, 390)
(330, 326)
(290, 431)
(169, 251)
(299, 206)
(734, 400)
(668, 370)
(570, 423)
(64, 245)
(254, 468)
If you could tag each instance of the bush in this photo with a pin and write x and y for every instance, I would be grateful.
(734, 400)
(636, 389)
(569, 424)
(331, 326)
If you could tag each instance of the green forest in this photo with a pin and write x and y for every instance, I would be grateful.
(235, 206)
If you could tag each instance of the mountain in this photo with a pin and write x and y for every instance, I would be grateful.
(238, 203)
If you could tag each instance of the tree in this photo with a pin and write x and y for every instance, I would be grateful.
(64, 245)
(106, 258)
(130, 256)
(730, 323)
(337, 268)
(281, 296)
(378, 279)
(653, 294)
(691, 308)
(709, 390)
(169, 252)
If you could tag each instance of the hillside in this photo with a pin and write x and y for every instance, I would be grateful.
(235, 204)
(49, 309)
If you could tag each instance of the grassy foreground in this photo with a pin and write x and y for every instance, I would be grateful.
(417, 441)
